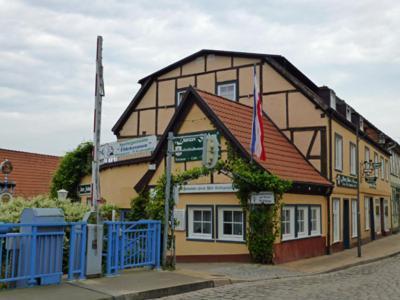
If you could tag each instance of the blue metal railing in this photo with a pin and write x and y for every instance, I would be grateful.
(132, 244)
(33, 254)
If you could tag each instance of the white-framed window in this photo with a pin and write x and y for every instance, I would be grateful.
(382, 168)
(227, 90)
(179, 96)
(366, 213)
(315, 220)
(348, 113)
(354, 218)
(367, 157)
(361, 123)
(302, 221)
(287, 219)
(200, 222)
(231, 224)
(338, 152)
(336, 219)
(353, 159)
(376, 160)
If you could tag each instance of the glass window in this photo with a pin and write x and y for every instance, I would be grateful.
(382, 168)
(302, 221)
(315, 220)
(387, 169)
(179, 96)
(367, 158)
(287, 219)
(336, 220)
(200, 222)
(353, 162)
(366, 213)
(227, 90)
(376, 161)
(354, 218)
(338, 152)
(231, 224)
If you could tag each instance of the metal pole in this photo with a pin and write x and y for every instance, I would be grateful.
(167, 196)
(99, 93)
(358, 189)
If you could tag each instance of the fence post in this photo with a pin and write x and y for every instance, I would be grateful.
(32, 280)
(83, 251)
(122, 247)
(157, 243)
(110, 228)
(72, 249)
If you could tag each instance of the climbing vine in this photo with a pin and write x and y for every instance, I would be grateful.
(247, 177)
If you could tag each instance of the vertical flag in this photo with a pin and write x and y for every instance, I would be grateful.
(257, 134)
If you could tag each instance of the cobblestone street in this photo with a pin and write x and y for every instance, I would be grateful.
(379, 280)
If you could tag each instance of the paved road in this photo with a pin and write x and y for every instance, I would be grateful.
(379, 280)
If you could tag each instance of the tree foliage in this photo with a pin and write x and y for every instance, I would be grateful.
(73, 167)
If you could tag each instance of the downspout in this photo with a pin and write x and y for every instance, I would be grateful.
(328, 232)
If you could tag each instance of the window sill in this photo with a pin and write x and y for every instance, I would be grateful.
(231, 241)
(194, 239)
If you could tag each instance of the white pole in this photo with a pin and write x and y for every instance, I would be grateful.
(99, 93)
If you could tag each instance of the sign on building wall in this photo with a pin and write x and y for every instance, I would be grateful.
(85, 189)
(118, 150)
(263, 198)
(346, 181)
(190, 141)
(207, 188)
(179, 216)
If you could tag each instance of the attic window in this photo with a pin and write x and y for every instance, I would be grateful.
(348, 113)
(361, 123)
(227, 90)
(333, 100)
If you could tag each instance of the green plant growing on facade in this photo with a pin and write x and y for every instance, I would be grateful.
(73, 167)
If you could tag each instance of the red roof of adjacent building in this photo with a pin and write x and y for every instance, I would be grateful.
(32, 172)
(283, 158)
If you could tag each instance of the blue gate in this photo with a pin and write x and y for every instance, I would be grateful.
(33, 254)
(132, 244)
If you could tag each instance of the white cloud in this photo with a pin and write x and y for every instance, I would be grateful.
(47, 55)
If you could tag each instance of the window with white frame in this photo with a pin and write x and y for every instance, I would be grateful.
(376, 161)
(387, 169)
(179, 96)
(315, 220)
(367, 157)
(348, 113)
(382, 168)
(200, 222)
(302, 221)
(338, 152)
(354, 218)
(366, 213)
(336, 219)
(227, 90)
(230, 224)
(287, 219)
(353, 162)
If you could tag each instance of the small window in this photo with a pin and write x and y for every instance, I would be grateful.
(354, 218)
(366, 213)
(302, 221)
(231, 224)
(179, 96)
(338, 152)
(382, 168)
(387, 169)
(227, 90)
(361, 123)
(315, 220)
(376, 161)
(367, 158)
(333, 100)
(348, 113)
(336, 220)
(353, 158)
(200, 222)
(287, 219)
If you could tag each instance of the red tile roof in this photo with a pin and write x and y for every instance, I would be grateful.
(283, 158)
(32, 172)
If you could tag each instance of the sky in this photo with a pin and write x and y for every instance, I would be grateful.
(47, 56)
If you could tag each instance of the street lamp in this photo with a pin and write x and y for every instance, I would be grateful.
(62, 194)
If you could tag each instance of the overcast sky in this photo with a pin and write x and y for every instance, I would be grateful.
(47, 55)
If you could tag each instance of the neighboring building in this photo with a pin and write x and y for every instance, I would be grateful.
(32, 172)
(395, 183)
(321, 125)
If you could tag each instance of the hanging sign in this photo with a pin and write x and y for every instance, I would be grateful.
(263, 198)
(116, 150)
(346, 181)
(190, 141)
(207, 188)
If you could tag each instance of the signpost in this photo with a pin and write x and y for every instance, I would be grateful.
(191, 146)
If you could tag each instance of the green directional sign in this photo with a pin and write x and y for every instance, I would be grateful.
(190, 141)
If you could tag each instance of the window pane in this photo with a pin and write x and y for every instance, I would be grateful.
(197, 215)
(227, 228)
(197, 227)
(227, 216)
(207, 227)
(207, 215)
(237, 216)
(237, 229)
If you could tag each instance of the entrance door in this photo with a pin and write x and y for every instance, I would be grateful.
(346, 224)
(382, 209)
(371, 218)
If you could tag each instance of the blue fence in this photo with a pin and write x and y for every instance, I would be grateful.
(132, 244)
(33, 254)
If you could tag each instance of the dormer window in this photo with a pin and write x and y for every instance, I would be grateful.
(333, 100)
(227, 90)
(361, 123)
(348, 113)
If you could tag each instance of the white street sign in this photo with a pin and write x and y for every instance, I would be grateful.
(263, 198)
